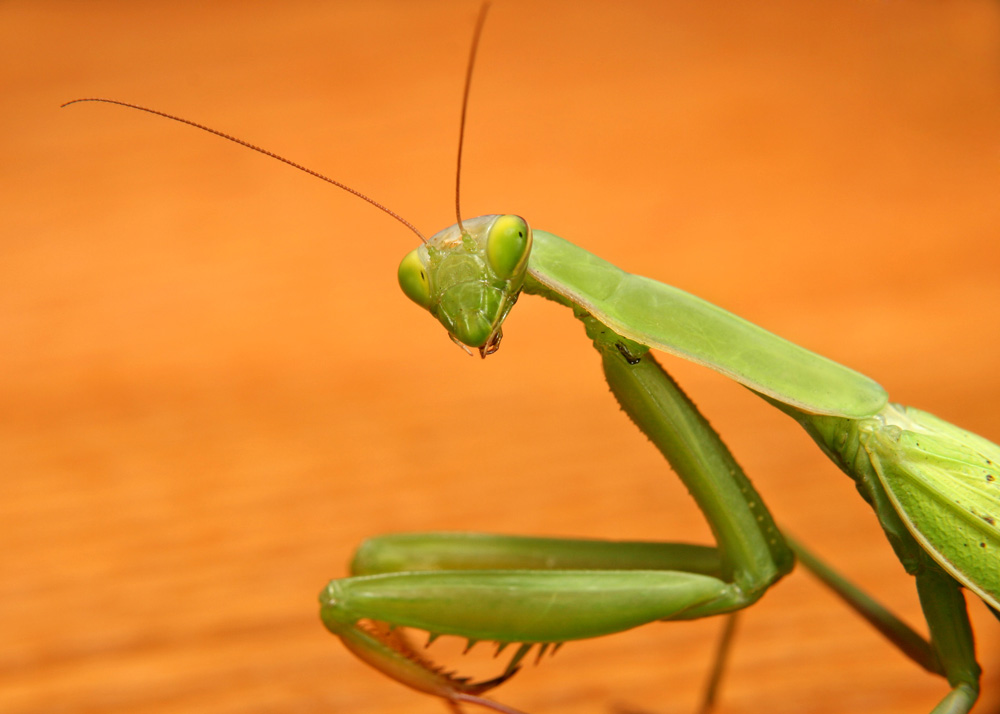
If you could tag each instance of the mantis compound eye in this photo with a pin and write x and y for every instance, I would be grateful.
(508, 245)
(413, 279)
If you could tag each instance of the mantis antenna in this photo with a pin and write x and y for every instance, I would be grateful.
(480, 21)
(258, 149)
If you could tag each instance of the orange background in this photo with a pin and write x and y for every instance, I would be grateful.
(211, 388)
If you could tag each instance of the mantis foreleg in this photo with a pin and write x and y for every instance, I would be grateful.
(537, 591)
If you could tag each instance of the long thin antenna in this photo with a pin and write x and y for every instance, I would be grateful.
(465, 105)
(248, 145)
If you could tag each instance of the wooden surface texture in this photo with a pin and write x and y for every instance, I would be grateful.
(211, 388)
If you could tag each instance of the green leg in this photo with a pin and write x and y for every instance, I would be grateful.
(537, 592)
(951, 636)
(719, 663)
(951, 650)
(407, 552)
(911, 643)
(870, 451)
(753, 550)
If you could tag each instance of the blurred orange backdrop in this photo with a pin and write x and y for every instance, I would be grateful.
(211, 388)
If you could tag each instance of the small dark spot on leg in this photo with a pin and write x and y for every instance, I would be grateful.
(626, 354)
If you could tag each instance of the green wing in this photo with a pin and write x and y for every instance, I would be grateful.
(668, 319)
(945, 484)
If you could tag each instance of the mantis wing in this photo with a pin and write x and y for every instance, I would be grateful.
(671, 320)
(944, 483)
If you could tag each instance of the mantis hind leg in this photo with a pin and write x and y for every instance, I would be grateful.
(951, 635)
(722, 650)
(950, 651)
(909, 641)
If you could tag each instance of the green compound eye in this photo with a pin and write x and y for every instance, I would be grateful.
(413, 279)
(508, 245)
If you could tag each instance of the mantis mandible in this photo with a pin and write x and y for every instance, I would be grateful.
(932, 485)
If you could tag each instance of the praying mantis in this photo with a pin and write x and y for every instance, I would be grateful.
(933, 486)
(698, 582)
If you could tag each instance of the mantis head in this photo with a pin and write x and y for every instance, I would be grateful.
(469, 275)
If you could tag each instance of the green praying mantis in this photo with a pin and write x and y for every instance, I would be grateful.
(933, 486)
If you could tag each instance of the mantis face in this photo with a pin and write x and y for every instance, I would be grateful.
(469, 277)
